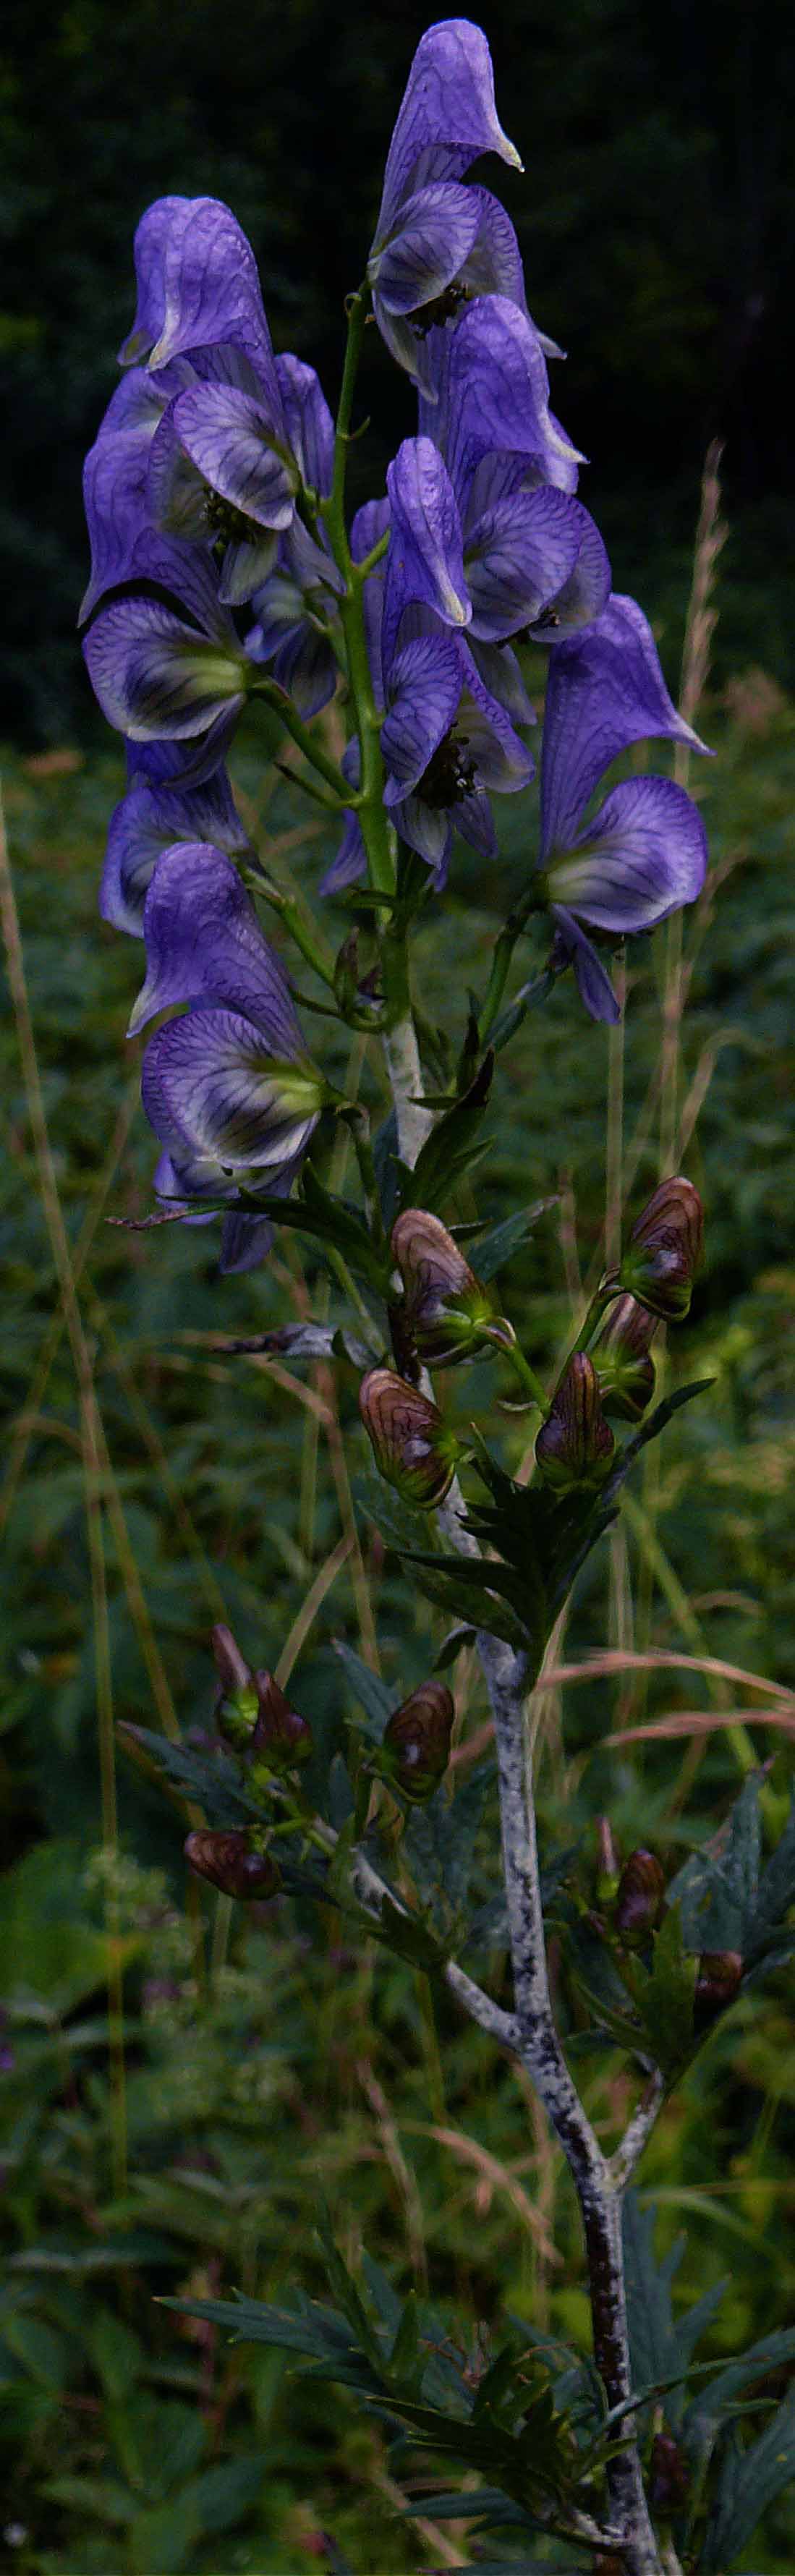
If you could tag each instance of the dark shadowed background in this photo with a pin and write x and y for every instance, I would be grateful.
(656, 221)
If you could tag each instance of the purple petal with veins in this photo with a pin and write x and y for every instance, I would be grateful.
(350, 862)
(498, 392)
(434, 232)
(425, 684)
(499, 670)
(518, 558)
(204, 942)
(156, 677)
(149, 819)
(584, 596)
(308, 422)
(644, 854)
(593, 981)
(198, 287)
(605, 690)
(425, 560)
(229, 438)
(447, 115)
(213, 1091)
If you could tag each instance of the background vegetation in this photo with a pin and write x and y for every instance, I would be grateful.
(180, 2091)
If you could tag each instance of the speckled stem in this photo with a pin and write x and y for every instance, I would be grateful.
(509, 1677)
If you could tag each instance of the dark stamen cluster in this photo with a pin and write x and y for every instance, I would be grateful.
(450, 773)
(229, 526)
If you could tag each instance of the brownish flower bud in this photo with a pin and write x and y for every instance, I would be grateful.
(281, 1738)
(232, 1862)
(416, 1742)
(669, 2475)
(575, 1445)
(621, 1359)
(640, 1898)
(445, 1308)
(717, 1982)
(236, 1704)
(664, 1250)
(410, 1444)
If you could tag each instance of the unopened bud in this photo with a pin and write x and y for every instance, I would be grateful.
(416, 1741)
(664, 1250)
(621, 1359)
(410, 1444)
(640, 1898)
(669, 2475)
(236, 1704)
(445, 1308)
(717, 1982)
(575, 1445)
(232, 1862)
(281, 1737)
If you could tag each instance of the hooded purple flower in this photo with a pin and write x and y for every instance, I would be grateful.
(644, 853)
(447, 741)
(436, 242)
(534, 561)
(227, 1085)
(155, 812)
(212, 441)
(158, 677)
(197, 288)
(447, 744)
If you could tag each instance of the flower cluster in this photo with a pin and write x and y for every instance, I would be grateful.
(222, 569)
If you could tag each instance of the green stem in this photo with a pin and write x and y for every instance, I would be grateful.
(376, 834)
(298, 920)
(307, 742)
(503, 951)
(521, 1367)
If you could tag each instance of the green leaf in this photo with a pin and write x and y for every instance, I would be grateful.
(450, 1149)
(212, 1784)
(222, 2496)
(102, 2498)
(661, 2347)
(312, 2331)
(406, 2360)
(718, 1888)
(664, 1996)
(372, 1694)
(750, 2481)
(731, 2382)
(492, 1250)
(650, 1429)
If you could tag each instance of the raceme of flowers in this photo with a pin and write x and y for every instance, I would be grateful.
(221, 569)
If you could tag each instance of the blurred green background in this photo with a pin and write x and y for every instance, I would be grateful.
(179, 2092)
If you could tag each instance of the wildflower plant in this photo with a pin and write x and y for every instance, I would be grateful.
(226, 573)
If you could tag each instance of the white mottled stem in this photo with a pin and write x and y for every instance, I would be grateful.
(630, 2150)
(599, 2188)
(371, 1890)
(414, 1122)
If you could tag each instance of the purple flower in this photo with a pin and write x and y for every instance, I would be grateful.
(437, 243)
(197, 289)
(295, 613)
(644, 853)
(154, 813)
(534, 561)
(158, 677)
(447, 744)
(212, 441)
(227, 1086)
(230, 456)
